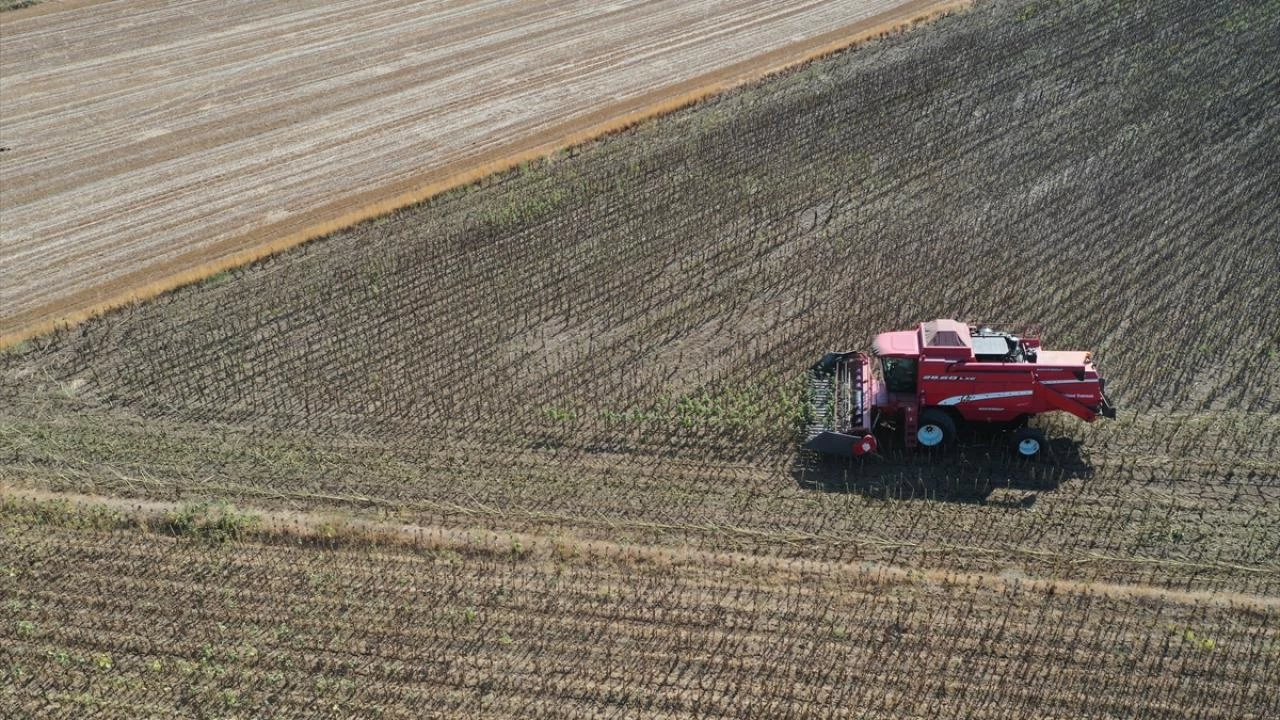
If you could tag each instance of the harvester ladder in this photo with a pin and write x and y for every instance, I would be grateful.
(910, 424)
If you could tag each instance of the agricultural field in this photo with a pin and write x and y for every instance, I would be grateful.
(531, 448)
(490, 624)
(149, 143)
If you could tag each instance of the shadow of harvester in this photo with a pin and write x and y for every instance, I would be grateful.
(967, 473)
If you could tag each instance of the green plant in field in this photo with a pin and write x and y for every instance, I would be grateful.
(217, 278)
(18, 349)
(61, 513)
(319, 579)
(752, 407)
(692, 410)
(246, 653)
(559, 414)
(230, 698)
(518, 549)
(1164, 530)
(26, 628)
(84, 699)
(526, 209)
(1204, 644)
(216, 523)
(630, 417)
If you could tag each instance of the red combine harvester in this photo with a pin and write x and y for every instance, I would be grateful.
(929, 381)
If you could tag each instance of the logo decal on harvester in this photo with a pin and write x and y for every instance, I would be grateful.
(957, 399)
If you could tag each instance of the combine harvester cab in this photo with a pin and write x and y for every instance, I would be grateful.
(931, 381)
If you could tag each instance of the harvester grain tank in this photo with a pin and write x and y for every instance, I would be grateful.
(929, 382)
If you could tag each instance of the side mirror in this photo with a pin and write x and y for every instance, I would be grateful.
(1080, 374)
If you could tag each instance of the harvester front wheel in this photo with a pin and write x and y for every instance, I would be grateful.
(1028, 442)
(936, 428)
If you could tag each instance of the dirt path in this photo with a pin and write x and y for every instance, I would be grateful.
(151, 143)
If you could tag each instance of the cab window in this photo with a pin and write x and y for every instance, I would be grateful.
(899, 374)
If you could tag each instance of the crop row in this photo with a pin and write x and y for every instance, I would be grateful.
(127, 624)
(615, 341)
(1180, 501)
(722, 251)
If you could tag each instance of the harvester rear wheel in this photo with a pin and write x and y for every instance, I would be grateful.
(936, 428)
(1027, 442)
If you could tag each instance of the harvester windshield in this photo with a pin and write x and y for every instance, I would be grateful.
(899, 374)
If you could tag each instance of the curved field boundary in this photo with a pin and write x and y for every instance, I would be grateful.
(54, 275)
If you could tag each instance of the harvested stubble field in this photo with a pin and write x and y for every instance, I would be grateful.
(153, 142)
(579, 387)
(483, 624)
